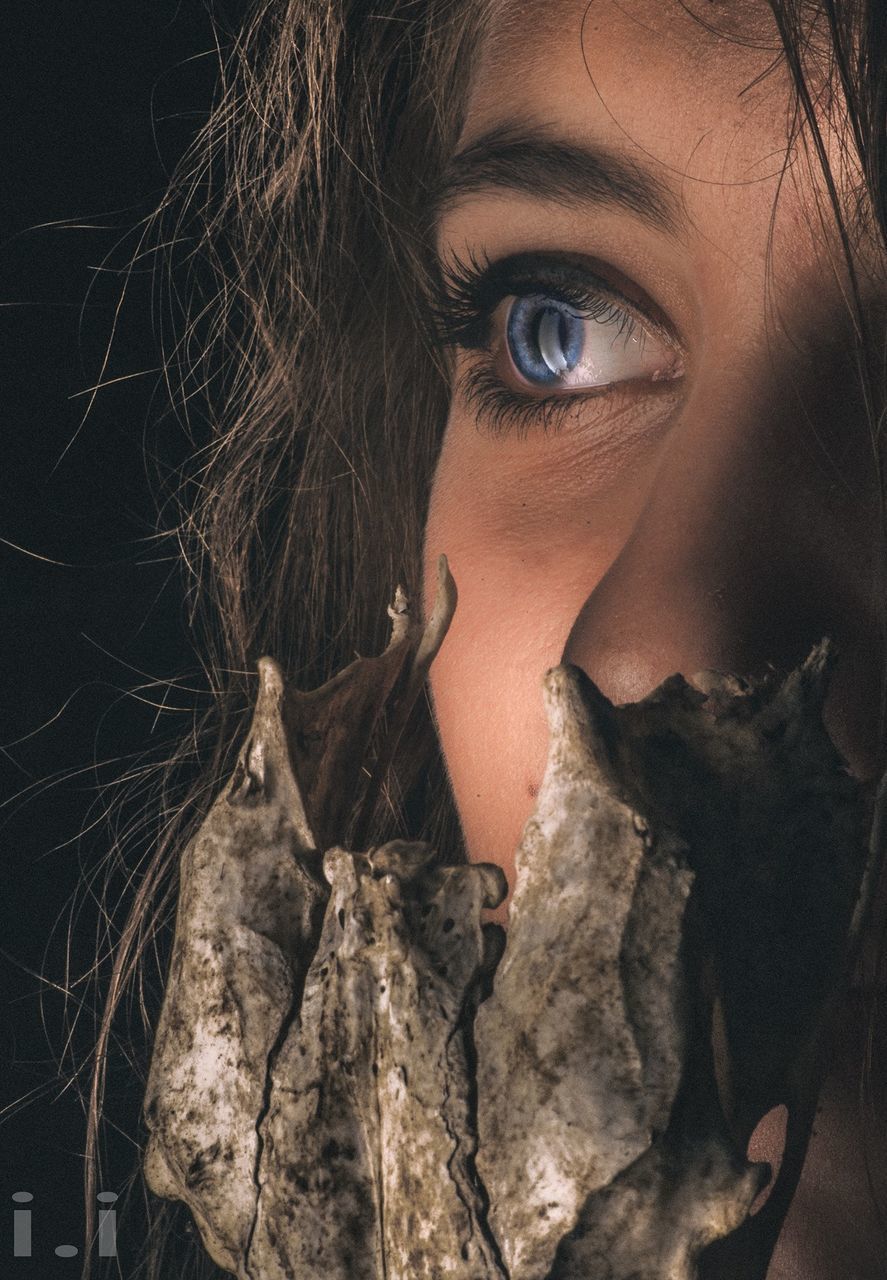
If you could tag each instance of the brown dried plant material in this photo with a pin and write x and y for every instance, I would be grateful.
(687, 893)
(249, 913)
(251, 903)
(335, 1093)
(367, 1169)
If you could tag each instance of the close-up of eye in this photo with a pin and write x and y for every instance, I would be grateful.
(541, 333)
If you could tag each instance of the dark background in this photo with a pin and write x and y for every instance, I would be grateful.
(100, 100)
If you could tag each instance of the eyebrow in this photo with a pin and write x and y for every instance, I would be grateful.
(533, 162)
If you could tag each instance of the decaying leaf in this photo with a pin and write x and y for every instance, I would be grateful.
(352, 1081)
(251, 904)
(370, 1117)
(684, 905)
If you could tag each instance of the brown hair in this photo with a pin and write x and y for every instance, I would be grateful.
(307, 372)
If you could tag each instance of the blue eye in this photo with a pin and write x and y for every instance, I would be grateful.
(545, 338)
(557, 345)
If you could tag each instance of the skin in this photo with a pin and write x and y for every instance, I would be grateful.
(727, 519)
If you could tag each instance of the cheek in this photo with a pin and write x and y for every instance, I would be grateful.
(523, 566)
(486, 682)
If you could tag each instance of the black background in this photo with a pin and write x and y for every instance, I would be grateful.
(100, 100)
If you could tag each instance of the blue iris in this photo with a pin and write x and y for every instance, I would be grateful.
(545, 338)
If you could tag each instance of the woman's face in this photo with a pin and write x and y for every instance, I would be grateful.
(657, 457)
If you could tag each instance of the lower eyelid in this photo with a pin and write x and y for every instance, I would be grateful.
(501, 411)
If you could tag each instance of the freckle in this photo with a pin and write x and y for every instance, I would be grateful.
(532, 789)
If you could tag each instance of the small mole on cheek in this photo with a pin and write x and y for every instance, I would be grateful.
(533, 789)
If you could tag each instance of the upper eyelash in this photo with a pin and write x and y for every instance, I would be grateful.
(468, 293)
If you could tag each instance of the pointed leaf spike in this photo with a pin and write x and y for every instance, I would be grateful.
(582, 725)
(401, 618)
(441, 616)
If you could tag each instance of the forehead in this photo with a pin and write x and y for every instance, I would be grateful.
(688, 84)
(738, 19)
(524, 28)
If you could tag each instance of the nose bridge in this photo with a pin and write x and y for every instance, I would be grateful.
(716, 572)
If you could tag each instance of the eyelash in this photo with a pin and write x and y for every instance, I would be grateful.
(467, 297)
(502, 409)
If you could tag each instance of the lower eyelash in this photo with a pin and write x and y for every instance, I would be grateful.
(504, 411)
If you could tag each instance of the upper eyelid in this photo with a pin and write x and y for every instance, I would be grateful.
(502, 276)
(482, 273)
